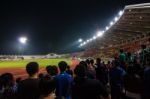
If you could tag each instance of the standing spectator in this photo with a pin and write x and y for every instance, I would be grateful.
(84, 88)
(147, 81)
(29, 88)
(52, 70)
(133, 84)
(69, 71)
(47, 86)
(116, 80)
(7, 86)
(101, 71)
(63, 82)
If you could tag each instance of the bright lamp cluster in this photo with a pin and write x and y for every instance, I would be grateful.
(101, 33)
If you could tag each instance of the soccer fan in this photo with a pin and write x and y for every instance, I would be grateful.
(69, 71)
(116, 80)
(7, 86)
(90, 73)
(133, 83)
(147, 81)
(101, 72)
(47, 87)
(84, 88)
(63, 82)
(122, 59)
(29, 88)
(52, 70)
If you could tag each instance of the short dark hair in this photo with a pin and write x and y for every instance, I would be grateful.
(143, 46)
(32, 68)
(62, 66)
(6, 80)
(87, 61)
(52, 70)
(83, 63)
(47, 85)
(92, 61)
(121, 50)
(80, 70)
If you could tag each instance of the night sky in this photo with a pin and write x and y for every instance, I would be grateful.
(54, 25)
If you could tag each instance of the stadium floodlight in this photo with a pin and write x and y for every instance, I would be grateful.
(116, 19)
(94, 37)
(107, 28)
(80, 40)
(120, 13)
(111, 23)
(23, 40)
(100, 33)
(88, 40)
(81, 45)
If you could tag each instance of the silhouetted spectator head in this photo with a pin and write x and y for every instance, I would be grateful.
(108, 62)
(80, 71)
(18, 79)
(121, 50)
(116, 63)
(52, 70)
(87, 61)
(143, 46)
(98, 61)
(32, 68)
(83, 63)
(6, 80)
(41, 75)
(47, 85)
(62, 66)
(91, 61)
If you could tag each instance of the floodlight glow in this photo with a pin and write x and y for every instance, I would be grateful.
(80, 40)
(120, 13)
(23, 40)
(90, 39)
(100, 33)
(81, 44)
(87, 40)
(116, 19)
(111, 23)
(107, 28)
(94, 37)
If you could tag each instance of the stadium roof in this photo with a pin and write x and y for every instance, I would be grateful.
(134, 23)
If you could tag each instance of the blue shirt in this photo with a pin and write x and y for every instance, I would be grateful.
(116, 76)
(147, 82)
(63, 85)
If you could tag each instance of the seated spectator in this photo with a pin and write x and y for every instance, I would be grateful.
(133, 84)
(63, 82)
(69, 71)
(7, 86)
(116, 80)
(52, 70)
(29, 88)
(47, 86)
(84, 88)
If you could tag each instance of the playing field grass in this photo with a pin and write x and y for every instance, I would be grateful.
(22, 63)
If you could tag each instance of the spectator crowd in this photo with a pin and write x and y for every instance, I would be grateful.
(125, 77)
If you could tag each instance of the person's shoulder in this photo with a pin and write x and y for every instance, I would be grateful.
(28, 80)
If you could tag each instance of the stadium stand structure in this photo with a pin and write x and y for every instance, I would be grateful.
(130, 31)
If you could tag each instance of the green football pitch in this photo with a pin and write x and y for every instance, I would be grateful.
(22, 63)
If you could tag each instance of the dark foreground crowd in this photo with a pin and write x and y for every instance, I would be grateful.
(123, 78)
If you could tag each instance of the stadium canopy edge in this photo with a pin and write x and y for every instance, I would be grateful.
(143, 5)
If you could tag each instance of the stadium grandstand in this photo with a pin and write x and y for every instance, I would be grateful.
(128, 31)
